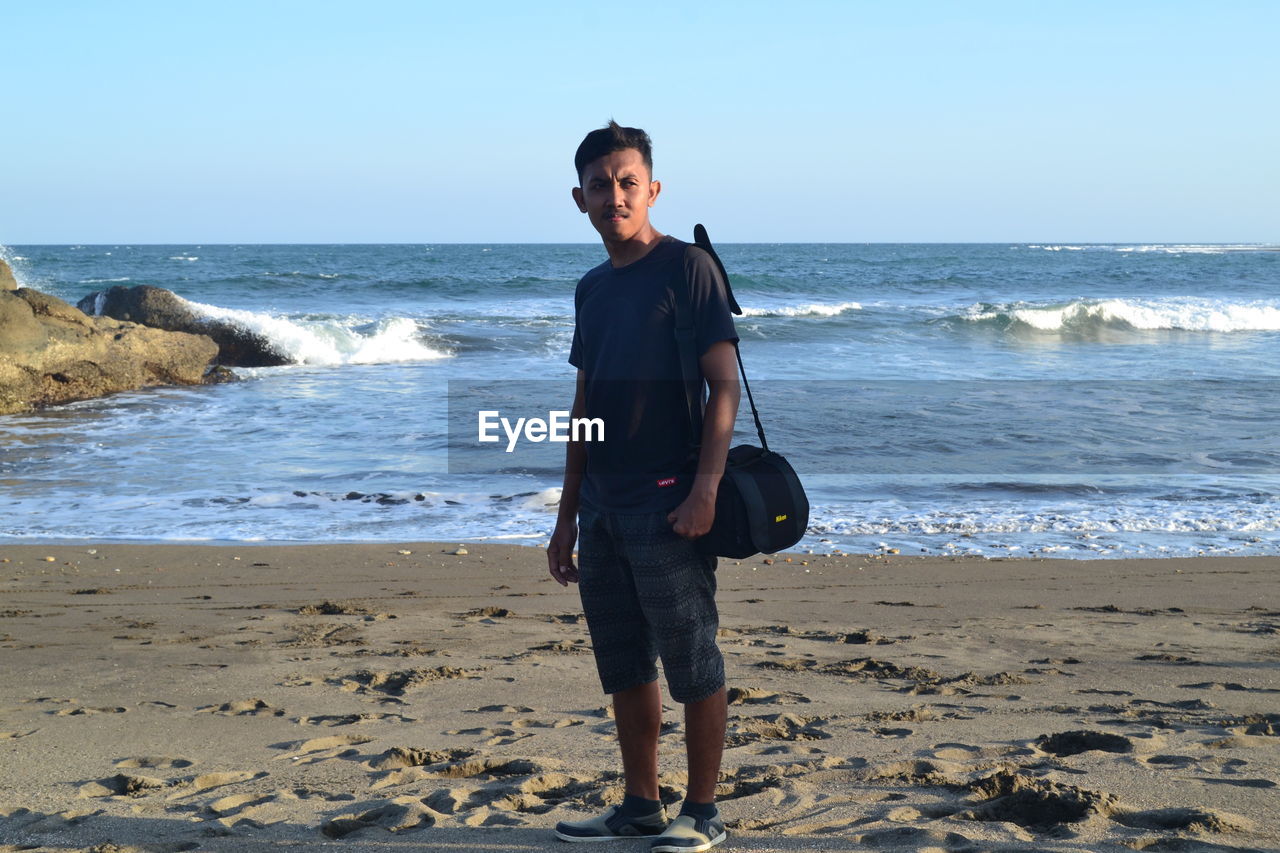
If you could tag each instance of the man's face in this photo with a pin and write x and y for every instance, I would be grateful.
(616, 195)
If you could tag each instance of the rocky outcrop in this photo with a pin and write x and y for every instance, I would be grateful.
(164, 309)
(7, 281)
(51, 352)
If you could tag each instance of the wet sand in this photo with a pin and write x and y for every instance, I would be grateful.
(402, 697)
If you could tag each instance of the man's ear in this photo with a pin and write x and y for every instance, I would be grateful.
(578, 199)
(655, 187)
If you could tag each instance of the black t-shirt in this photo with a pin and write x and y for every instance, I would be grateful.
(624, 342)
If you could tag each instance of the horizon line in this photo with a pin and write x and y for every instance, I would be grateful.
(1042, 242)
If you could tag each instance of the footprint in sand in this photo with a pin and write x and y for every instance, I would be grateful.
(1171, 761)
(1184, 819)
(16, 735)
(336, 608)
(788, 727)
(1011, 797)
(500, 709)
(320, 748)
(242, 708)
(154, 762)
(557, 647)
(468, 767)
(122, 785)
(759, 696)
(88, 712)
(961, 752)
(398, 682)
(486, 614)
(401, 756)
(320, 636)
(209, 781)
(914, 714)
(493, 736)
(255, 809)
(531, 723)
(1076, 742)
(914, 838)
(352, 719)
(403, 814)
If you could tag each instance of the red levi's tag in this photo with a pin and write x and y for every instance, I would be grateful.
(666, 481)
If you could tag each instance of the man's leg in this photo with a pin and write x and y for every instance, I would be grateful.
(704, 725)
(625, 657)
(638, 714)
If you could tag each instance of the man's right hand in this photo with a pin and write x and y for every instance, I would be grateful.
(560, 552)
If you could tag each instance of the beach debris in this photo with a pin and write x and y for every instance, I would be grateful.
(460, 552)
(767, 561)
(403, 553)
(51, 559)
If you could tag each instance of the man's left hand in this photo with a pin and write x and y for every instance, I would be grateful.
(694, 517)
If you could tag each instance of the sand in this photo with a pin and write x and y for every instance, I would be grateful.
(401, 697)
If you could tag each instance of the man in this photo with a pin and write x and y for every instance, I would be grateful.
(639, 499)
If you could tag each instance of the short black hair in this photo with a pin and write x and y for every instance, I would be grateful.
(610, 138)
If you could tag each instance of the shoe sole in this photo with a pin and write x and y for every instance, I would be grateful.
(675, 848)
(592, 839)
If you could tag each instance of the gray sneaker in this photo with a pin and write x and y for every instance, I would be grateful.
(612, 826)
(688, 834)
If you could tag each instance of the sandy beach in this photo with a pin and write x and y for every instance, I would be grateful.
(403, 697)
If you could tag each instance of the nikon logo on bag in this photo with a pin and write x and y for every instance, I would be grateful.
(779, 518)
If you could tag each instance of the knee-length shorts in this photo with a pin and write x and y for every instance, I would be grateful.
(647, 594)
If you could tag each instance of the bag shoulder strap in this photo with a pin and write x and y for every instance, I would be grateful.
(686, 341)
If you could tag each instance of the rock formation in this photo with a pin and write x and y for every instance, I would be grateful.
(164, 309)
(7, 281)
(52, 353)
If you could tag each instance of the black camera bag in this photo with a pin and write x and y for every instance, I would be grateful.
(761, 506)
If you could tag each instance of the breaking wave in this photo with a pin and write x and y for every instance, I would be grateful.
(332, 341)
(1173, 313)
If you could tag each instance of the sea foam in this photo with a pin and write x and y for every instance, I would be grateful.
(813, 309)
(331, 341)
(1172, 313)
(1161, 248)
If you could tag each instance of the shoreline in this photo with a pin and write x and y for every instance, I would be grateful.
(537, 542)
(262, 696)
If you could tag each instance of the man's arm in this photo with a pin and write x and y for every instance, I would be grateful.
(560, 548)
(719, 365)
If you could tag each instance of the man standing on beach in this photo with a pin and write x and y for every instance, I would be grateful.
(639, 499)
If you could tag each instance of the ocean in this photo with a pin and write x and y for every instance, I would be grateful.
(1004, 399)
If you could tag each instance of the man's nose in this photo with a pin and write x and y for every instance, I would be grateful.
(619, 196)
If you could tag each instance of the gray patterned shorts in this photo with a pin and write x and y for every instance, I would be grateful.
(648, 594)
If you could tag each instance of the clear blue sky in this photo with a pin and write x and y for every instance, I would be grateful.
(397, 121)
